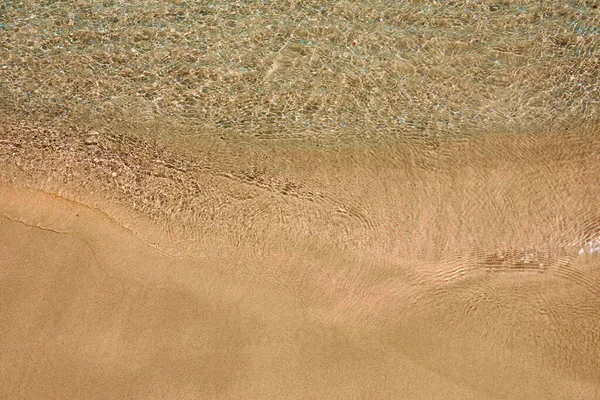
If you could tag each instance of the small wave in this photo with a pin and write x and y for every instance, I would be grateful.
(590, 247)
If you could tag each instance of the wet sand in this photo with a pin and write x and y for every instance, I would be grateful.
(152, 268)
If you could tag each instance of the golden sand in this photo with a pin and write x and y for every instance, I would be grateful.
(137, 269)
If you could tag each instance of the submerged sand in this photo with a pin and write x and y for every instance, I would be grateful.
(133, 267)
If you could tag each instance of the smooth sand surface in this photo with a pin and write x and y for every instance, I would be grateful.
(90, 311)
(476, 297)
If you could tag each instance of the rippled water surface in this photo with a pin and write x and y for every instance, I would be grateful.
(282, 200)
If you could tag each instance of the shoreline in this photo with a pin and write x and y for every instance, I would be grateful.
(312, 287)
(187, 184)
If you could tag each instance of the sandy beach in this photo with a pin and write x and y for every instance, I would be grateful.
(299, 200)
(341, 284)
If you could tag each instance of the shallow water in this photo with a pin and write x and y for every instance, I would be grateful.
(293, 201)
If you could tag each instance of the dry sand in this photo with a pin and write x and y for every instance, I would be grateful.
(183, 269)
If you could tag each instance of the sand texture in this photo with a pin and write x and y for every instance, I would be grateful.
(299, 199)
(141, 268)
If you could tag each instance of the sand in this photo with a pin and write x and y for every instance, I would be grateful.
(285, 271)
